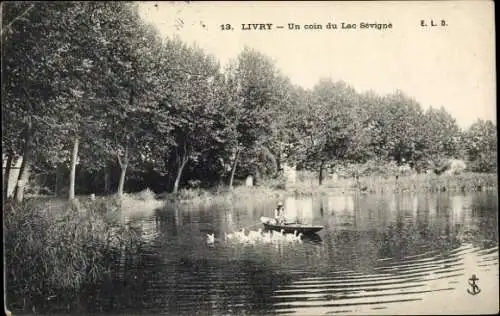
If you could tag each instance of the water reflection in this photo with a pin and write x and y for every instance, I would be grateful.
(388, 254)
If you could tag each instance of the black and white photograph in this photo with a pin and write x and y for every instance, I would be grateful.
(249, 158)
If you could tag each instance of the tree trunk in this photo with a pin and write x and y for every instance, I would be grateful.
(257, 175)
(107, 179)
(233, 170)
(6, 176)
(179, 172)
(72, 175)
(24, 175)
(321, 173)
(279, 170)
(57, 189)
(24, 172)
(121, 184)
(123, 167)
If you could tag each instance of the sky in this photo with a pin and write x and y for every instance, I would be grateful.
(451, 66)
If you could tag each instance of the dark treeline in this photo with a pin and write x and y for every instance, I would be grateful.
(95, 100)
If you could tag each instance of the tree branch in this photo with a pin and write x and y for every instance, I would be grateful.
(16, 18)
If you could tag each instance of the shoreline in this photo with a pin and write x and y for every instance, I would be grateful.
(276, 189)
(424, 183)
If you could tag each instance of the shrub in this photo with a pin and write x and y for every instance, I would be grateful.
(145, 195)
(55, 251)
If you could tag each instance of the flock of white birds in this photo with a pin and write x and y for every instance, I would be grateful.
(254, 237)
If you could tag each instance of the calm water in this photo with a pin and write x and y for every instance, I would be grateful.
(377, 254)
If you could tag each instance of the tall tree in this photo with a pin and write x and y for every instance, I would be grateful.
(258, 91)
(331, 126)
(191, 102)
(438, 139)
(130, 90)
(31, 46)
(481, 146)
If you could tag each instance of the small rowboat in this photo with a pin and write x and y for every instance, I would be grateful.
(271, 224)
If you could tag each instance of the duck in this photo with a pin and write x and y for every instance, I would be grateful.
(211, 240)
(241, 234)
(255, 235)
(244, 239)
(268, 237)
(298, 237)
(228, 237)
(278, 236)
(290, 237)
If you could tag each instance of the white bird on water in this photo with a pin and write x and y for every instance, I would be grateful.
(228, 236)
(255, 235)
(211, 239)
(258, 236)
(278, 236)
(268, 237)
(241, 235)
(297, 237)
(290, 237)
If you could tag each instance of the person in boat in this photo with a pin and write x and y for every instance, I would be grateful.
(279, 214)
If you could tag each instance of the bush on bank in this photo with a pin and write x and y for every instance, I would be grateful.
(53, 251)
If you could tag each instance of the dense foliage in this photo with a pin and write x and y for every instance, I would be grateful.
(53, 251)
(93, 95)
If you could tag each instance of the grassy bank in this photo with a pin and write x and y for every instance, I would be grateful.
(54, 250)
(239, 194)
(466, 182)
(277, 188)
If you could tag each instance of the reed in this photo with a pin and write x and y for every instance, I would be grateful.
(53, 250)
(223, 194)
(466, 182)
(143, 201)
(307, 186)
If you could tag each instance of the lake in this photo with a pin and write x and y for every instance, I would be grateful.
(378, 254)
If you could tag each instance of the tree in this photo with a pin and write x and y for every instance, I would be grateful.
(189, 105)
(82, 84)
(481, 146)
(258, 95)
(30, 48)
(437, 140)
(330, 127)
(130, 88)
(400, 120)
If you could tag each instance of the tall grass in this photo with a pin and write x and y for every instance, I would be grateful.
(53, 251)
(307, 185)
(222, 194)
(144, 201)
(466, 182)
